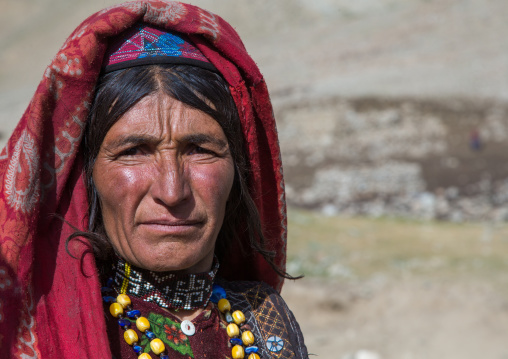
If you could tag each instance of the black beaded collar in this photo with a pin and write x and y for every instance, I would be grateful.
(168, 290)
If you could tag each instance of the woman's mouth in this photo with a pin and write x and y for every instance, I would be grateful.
(171, 226)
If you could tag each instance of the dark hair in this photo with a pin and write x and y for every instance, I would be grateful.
(207, 91)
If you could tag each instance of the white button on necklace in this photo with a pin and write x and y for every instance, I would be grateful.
(188, 328)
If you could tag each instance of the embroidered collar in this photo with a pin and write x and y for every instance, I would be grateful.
(167, 290)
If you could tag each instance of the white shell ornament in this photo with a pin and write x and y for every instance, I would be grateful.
(274, 344)
(188, 328)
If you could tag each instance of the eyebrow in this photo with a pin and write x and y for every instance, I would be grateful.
(132, 140)
(196, 138)
(200, 138)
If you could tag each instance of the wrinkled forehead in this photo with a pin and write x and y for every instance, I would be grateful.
(163, 118)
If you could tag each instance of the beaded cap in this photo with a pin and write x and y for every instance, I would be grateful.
(145, 45)
(167, 290)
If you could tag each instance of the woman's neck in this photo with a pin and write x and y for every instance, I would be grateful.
(183, 295)
(185, 314)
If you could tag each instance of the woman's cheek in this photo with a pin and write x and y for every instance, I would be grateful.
(215, 180)
(123, 182)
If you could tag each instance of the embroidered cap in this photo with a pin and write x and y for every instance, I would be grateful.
(145, 45)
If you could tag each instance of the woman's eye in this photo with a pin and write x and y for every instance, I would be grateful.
(198, 150)
(133, 151)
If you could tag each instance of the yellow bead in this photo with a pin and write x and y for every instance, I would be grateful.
(238, 352)
(248, 338)
(253, 356)
(233, 330)
(130, 336)
(145, 356)
(157, 346)
(123, 300)
(142, 324)
(224, 305)
(115, 309)
(238, 317)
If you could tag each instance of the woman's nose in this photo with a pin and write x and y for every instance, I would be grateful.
(171, 186)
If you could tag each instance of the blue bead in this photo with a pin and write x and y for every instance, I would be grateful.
(217, 293)
(250, 350)
(124, 323)
(133, 313)
(164, 356)
(150, 334)
(137, 349)
(229, 317)
(109, 299)
(106, 290)
(109, 282)
(236, 341)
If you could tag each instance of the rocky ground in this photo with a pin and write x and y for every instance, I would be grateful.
(439, 159)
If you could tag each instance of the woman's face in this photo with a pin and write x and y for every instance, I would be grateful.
(163, 174)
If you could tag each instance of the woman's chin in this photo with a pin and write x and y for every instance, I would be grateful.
(173, 261)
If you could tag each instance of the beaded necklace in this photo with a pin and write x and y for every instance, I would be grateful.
(241, 337)
(239, 332)
(167, 290)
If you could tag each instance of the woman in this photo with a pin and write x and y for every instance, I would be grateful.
(178, 175)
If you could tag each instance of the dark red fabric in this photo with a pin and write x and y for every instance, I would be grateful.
(210, 340)
(50, 305)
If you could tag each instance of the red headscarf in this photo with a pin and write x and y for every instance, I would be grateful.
(50, 303)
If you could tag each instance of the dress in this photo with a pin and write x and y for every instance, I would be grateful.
(50, 300)
(276, 331)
